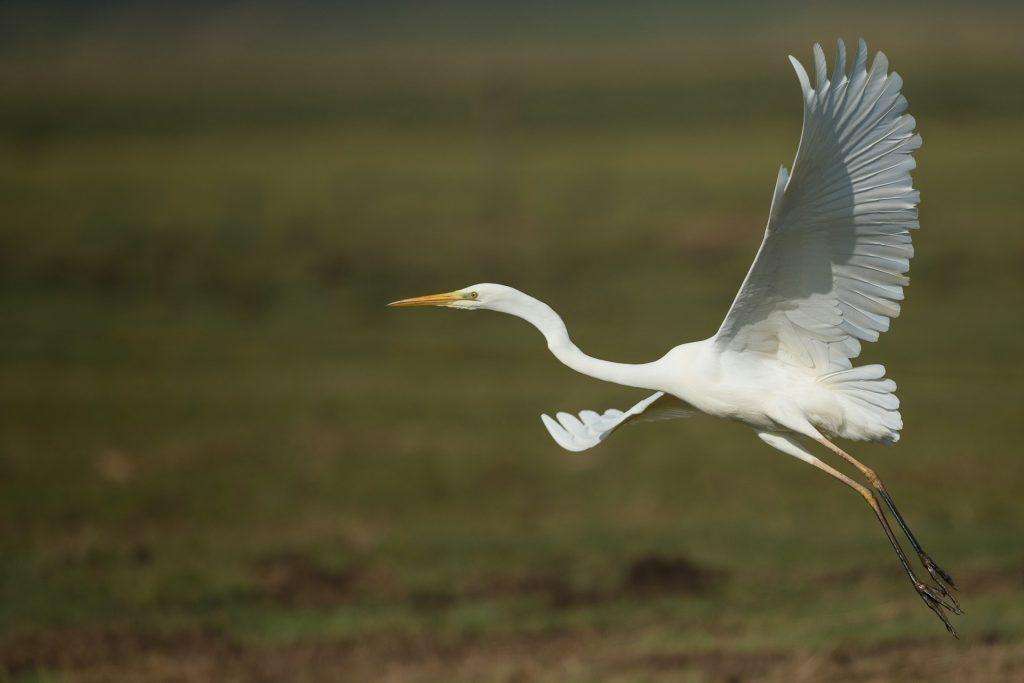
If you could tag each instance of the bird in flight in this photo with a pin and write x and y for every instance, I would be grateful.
(829, 275)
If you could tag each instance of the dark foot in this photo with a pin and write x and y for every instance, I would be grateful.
(942, 579)
(936, 604)
(931, 594)
(936, 598)
(937, 572)
(939, 575)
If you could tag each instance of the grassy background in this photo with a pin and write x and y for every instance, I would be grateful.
(222, 457)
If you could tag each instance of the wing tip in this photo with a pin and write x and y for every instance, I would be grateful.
(861, 58)
(562, 436)
(839, 70)
(820, 67)
(781, 182)
(801, 75)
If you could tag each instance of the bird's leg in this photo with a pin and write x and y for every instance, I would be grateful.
(932, 598)
(938, 574)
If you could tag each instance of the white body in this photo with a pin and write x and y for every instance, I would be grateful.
(767, 395)
(763, 393)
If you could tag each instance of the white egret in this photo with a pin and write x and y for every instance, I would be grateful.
(829, 275)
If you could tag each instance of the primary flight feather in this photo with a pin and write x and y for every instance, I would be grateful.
(829, 275)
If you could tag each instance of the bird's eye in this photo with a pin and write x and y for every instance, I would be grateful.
(473, 295)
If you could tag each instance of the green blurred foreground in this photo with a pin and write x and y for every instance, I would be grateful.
(223, 458)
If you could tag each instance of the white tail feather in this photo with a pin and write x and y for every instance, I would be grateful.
(869, 401)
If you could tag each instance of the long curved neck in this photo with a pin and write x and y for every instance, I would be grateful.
(550, 324)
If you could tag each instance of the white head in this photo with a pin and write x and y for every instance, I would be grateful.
(485, 295)
(504, 299)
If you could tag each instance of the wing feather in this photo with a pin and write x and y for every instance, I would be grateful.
(831, 268)
(591, 428)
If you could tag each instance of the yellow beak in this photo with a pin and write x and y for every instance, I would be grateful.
(429, 300)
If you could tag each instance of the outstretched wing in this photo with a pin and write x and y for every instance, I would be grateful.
(589, 429)
(830, 271)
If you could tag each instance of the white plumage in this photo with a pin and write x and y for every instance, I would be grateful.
(589, 429)
(829, 275)
(831, 268)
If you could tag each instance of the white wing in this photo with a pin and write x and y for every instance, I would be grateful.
(830, 270)
(590, 428)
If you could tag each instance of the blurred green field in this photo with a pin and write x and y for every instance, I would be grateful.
(222, 458)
